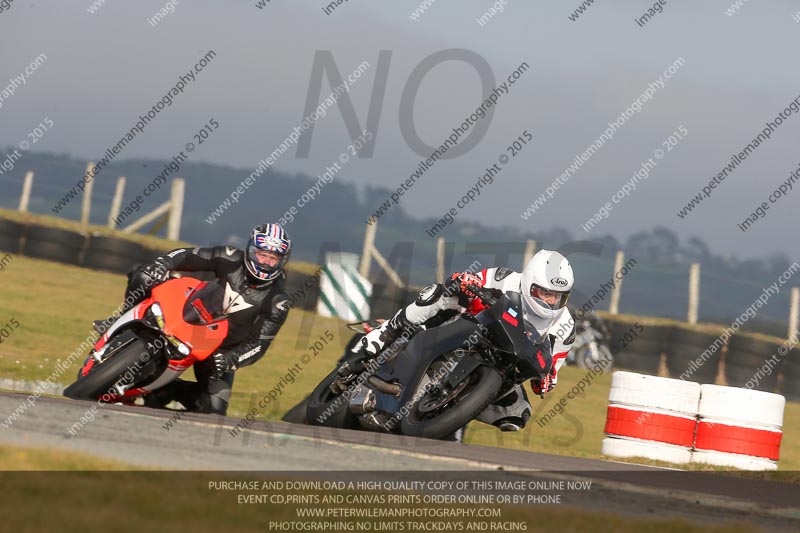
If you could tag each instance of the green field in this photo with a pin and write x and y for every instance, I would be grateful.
(55, 305)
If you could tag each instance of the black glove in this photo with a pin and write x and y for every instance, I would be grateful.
(222, 364)
(157, 272)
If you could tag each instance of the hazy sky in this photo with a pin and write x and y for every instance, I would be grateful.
(105, 69)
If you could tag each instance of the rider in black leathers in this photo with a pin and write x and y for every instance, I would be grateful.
(260, 305)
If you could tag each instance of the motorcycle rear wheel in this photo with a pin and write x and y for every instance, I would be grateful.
(482, 387)
(104, 375)
(324, 408)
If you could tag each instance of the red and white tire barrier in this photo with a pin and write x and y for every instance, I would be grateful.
(651, 425)
(625, 447)
(739, 428)
(651, 417)
(640, 390)
(679, 422)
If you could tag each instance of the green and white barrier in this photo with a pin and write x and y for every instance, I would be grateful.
(343, 293)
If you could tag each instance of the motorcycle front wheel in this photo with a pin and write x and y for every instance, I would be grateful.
(436, 415)
(104, 375)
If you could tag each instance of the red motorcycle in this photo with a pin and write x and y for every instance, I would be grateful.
(182, 322)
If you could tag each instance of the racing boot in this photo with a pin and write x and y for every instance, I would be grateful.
(371, 345)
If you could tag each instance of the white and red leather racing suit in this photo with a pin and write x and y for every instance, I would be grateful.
(434, 303)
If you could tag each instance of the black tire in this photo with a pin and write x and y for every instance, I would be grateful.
(70, 239)
(791, 375)
(60, 253)
(753, 345)
(108, 261)
(9, 244)
(9, 228)
(114, 246)
(746, 355)
(687, 346)
(643, 352)
(742, 366)
(101, 377)
(112, 254)
(616, 330)
(641, 356)
(297, 414)
(679, 363)
(739, 375)
(480, 392)
(650, 333)
(322, 399)
(149, 255)
(10, 234)
(693, 338)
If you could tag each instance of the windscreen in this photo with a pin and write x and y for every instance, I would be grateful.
(206, 304)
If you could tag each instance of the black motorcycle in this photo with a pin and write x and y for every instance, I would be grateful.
(442, 378)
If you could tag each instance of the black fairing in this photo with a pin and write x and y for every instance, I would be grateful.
(410, 365)
(499, 321)
(495, 337)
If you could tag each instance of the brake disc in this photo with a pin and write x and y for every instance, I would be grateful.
(438, 397)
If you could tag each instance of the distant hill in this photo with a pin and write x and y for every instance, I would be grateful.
(656, 286)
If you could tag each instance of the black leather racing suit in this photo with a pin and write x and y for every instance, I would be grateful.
(251, 327)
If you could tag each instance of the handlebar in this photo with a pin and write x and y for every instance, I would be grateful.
(486, 296)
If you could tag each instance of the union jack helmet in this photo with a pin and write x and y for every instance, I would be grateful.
(268, 238)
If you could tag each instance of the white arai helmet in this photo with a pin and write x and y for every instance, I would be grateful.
(546, 284)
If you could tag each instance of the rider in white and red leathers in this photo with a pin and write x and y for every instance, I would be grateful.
(545, 285)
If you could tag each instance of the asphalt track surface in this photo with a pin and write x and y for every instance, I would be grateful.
(138, 436)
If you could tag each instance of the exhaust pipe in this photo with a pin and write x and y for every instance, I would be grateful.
(383, 386)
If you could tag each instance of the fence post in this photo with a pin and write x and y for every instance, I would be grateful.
(26, 192)
(793, 312)
(440, 260)
(694, 292)
(116, 202)
(613, 305)
(87, 196)
(366, 253)
(530, 249)
(175, 209)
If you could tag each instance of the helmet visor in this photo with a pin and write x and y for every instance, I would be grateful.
(267, 254)
(547, 298)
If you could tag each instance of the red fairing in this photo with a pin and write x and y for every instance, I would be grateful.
(202, 340)
(138, 313)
